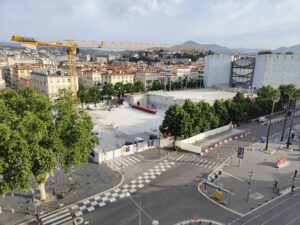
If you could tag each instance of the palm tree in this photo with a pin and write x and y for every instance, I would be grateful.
(290, 92)
(273, 95)
(295, 97)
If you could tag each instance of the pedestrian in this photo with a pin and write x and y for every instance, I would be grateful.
(275, 184)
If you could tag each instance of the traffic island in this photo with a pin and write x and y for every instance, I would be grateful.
(198, 221)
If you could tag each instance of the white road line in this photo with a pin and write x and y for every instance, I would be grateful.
(55, 214)
(55, 219)
(199, 162)
(131, 160)
(240, 179)
(136, 158)
(123, 161)
(280, 203)
(62, 221)
(179, 157)
(184, 158)
(292, 221)
(270, 219)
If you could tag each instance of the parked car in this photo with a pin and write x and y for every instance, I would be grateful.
(153, 137)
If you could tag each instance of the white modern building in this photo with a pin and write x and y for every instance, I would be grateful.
(252, 71)
(217, 70)
(276, 69)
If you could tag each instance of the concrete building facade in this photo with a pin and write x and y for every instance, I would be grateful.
(51, 83)
(269, 69)
(217, 70)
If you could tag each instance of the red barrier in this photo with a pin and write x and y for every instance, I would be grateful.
(145, 109)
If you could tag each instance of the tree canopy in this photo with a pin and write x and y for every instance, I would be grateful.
(36, 136)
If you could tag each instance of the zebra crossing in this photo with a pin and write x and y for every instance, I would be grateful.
(122, 162)
(194, 160)
(63, 217)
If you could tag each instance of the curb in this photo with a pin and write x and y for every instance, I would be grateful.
(68, 206)
(199, 221)
(224, 141)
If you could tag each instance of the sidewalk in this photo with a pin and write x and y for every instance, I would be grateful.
(235, 178)
(64, 189)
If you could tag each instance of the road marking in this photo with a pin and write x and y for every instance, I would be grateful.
(179, 158)
(123, 161)
(64, 220)
(55, 214)
(131, 160)
(292, 221)
(240, 179)
(266, 209)
(270, 219)
(135, 158)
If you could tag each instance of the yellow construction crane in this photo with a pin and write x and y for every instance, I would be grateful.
(72, 46)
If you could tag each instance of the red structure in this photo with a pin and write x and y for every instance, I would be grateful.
(145, 109)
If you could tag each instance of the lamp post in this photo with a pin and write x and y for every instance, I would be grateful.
(249, 185)
(269, 127)
(139, 206)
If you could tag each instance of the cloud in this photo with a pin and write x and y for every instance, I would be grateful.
(228, 22)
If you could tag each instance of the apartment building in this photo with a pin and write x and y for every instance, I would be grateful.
(90, 78)
(51, 83)
(148, 76)
(113, 77)
(21, 75)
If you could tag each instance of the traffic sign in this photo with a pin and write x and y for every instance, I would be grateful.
(205, 176)
(240, 153)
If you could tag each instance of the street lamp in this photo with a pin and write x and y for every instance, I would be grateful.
(154, 222)
(249, 184)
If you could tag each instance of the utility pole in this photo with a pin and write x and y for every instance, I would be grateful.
(249, 185)
(295, 174)
(289, 137)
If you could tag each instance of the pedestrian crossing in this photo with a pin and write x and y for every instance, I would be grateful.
(63, 217)
(194, 160)
(122, 162)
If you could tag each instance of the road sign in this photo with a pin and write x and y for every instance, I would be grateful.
(205, 176)
(240, 153)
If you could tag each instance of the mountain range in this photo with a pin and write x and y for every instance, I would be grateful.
(221, 49)
(213, 47)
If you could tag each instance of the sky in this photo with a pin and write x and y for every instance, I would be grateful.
(231, 23)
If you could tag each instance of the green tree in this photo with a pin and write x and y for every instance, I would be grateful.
(128, 88)
(194, 112)
(94, 94)
(83, 95)
(177, 122)
(119, 88)
(139, 86)
(221, 112)
(108, 89)
(208, 118)
(36, 136)
(156, 85)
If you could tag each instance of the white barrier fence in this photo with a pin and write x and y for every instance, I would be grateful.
(101, 156)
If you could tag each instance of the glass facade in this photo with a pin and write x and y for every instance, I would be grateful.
(242, 70)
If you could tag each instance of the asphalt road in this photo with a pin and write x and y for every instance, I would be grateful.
(171, 198)
(282, 211)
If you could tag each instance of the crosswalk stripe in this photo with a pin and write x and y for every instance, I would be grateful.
(180, 157)
(131, 160)
(136, 158)
(62, 221)
(55, 214)
(200, 162)
(123, 161)
(55, 219)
